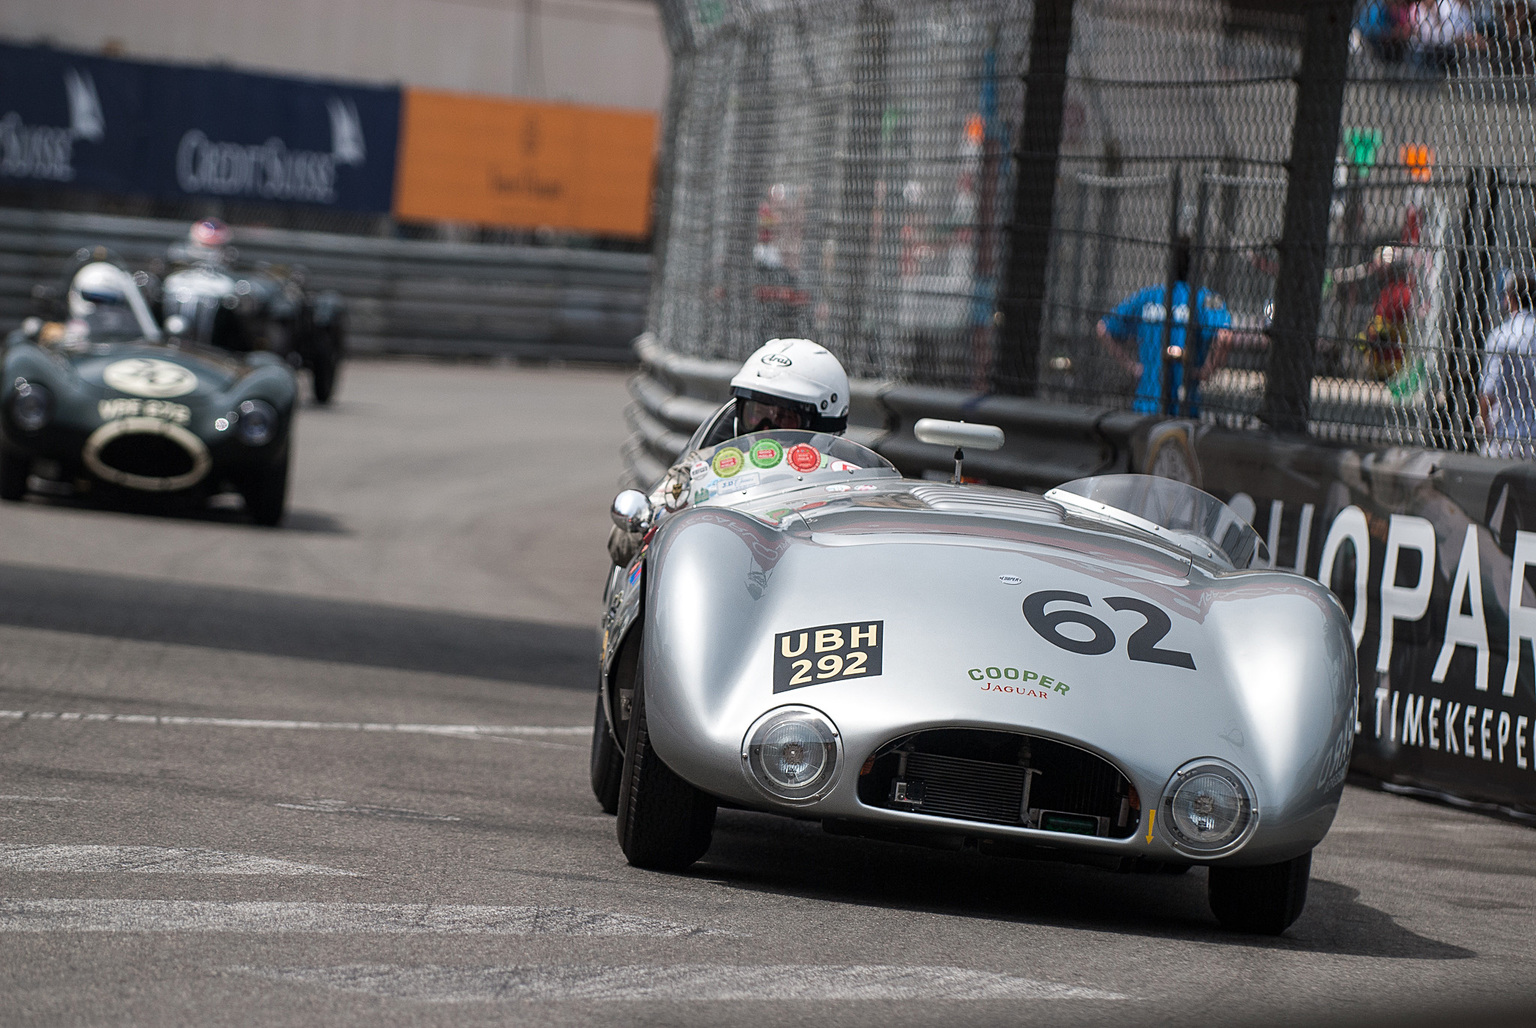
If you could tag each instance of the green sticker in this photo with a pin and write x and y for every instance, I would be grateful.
(728, 462)
(766, 453)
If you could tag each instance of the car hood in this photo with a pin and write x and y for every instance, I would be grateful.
(155, 371)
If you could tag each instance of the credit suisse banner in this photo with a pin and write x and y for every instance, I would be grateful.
(138, 128)
(169, 131)
(1433, 555)
(524, 165)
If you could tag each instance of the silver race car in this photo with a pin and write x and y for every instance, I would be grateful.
(1107, 673)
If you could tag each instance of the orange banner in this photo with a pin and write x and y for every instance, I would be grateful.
(520, 164)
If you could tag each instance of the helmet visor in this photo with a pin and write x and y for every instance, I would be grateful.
(760, 416)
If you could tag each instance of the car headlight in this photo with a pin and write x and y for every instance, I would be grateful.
(32, 406)
(258, 423)
(1208, 807)
(792, 753)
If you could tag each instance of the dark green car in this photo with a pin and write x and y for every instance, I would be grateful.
(99, 403)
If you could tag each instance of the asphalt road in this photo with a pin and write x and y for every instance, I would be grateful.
(336, 773)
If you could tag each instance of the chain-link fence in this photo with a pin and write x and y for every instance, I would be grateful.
(840, 170)
(850, 169)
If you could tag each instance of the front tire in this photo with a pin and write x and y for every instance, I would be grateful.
(1260, 900)
(325, 364)
(14, 469)
(665, 824)
(266, 494)
(607, 762)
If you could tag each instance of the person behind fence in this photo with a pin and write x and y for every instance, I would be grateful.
(787, 384)
(1507, 400)
(1386, 334)
(1138, 320)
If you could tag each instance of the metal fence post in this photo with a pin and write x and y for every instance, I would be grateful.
(857, 238)
(1170, 403)
(1304, 238)
(1022, 301)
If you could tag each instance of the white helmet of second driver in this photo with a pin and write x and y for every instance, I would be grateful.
(798, 370)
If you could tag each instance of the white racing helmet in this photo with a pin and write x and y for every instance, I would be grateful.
(104, 299)
(791, 383)
(97, 285)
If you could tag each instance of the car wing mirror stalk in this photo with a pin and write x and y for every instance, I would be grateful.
(958, 434)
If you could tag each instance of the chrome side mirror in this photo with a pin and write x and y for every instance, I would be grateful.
(631, 511)
(958, 434)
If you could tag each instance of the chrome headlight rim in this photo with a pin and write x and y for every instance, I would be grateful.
(257, 424)
(31, 406)
(753, 761)
(1188, 775)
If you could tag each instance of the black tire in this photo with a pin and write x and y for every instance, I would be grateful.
(14, 469)
(325, 364)
(607, 762)
(1260, 900)
(665, 824)
(266, 493)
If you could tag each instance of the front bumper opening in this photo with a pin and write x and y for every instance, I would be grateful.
(1001, 778)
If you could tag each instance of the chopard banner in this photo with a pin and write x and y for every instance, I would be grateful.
(1433, 555)
(170, 131)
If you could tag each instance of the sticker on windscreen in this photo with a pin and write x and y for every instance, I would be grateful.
(804, 457)
(728, 462)
(766, 453)
(827, 653)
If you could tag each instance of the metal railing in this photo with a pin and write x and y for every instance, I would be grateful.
(403, 296)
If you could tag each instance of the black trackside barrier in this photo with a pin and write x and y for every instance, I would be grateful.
(1433, 555)
(1044, 444)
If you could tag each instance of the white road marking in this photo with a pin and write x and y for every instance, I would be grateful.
(343, 807)
(149, 860)
(498, 733)
(680, 983)
(38, 799)
(275, 918)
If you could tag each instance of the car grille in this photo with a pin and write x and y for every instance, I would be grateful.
(147, 456)
(1002, 778)
(146, 453)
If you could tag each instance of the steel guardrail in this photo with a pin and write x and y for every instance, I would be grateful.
(403, 296)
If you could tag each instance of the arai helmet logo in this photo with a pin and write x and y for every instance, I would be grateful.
(149, 376)
(777, 359)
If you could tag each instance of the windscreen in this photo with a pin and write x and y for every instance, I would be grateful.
(1193, 518)
(778, 459)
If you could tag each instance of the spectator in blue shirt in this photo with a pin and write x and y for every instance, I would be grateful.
(1140, 317)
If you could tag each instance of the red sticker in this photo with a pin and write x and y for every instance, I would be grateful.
(804, 457)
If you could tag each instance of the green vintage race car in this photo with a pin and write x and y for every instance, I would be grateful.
(100, 403)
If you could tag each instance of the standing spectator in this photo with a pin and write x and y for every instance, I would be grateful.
(1386, 335)
(1140, 317)
(1507, 403)
(1385, 25)
(1441, 29)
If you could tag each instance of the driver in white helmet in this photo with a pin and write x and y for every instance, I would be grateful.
(102, 304)
(787, 384)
